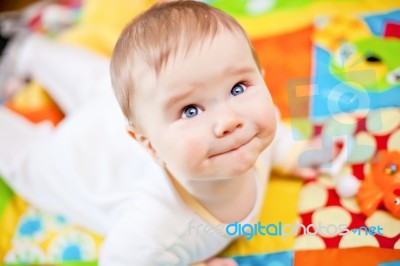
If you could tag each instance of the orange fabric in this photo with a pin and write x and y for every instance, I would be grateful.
(35, 104)
(52, 113)
(365, 256)
(284, 57)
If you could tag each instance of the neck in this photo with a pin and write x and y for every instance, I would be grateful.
(229, 200)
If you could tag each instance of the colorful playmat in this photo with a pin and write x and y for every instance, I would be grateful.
(332, 67)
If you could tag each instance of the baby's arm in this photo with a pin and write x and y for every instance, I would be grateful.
(70, 74)
(74, 169)
(299, 156)
(131, 240)
(143, 236)
(285, 148)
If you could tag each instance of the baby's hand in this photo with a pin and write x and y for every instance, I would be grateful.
(318, 153)
(220, 262)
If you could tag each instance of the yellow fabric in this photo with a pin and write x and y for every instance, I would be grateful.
(50, 240)
(111, 13)
(8, 223)
(101, 23)
(291, 20)
(279, 205)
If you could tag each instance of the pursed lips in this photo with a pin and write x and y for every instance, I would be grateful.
(235, 147)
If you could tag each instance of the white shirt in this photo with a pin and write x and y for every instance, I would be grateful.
(89, 169)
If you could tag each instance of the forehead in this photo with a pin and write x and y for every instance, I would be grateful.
(212, 59)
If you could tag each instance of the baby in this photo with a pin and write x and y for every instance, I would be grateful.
(190, 85)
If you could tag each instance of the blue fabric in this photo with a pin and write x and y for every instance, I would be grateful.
(284, 258)
(393, 263)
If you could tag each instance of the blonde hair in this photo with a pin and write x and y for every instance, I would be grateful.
(159, 33)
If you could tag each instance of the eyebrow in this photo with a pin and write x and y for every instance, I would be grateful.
(239, 70)
(178, 97)
(232, 70)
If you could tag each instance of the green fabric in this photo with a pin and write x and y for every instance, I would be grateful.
(240, 8)
(77, 263)
(385, 49)
(5, 195)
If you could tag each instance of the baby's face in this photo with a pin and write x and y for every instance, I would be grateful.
(209, 114)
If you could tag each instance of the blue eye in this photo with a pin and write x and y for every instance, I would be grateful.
(238, 89)
(190, 111)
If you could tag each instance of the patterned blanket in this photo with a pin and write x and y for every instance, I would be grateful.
(333, 69)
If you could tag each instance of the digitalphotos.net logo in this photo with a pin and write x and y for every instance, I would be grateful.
(282, 230)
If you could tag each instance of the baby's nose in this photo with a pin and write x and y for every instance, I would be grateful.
(227, 122)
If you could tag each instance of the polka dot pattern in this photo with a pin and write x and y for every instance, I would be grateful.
(364, 148)
(390, 225)
(382, 122)
(319, 198)
(326, 181)
(358, 239)
(319, 202)
(325, 216)
(394, 141)
(340, 126)
(350, 204)
(45, 238)
(397, 245)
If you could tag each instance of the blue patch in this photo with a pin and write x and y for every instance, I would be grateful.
(376, 23)
(393, 263)
(334, 96)
(271, 259)
(60, 219)
(30, 227)
(71, 253)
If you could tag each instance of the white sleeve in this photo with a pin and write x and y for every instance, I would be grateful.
(132, 241)
(82, 169)
(48, 166)
(72, 75)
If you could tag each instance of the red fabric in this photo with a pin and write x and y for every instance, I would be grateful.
(392, 30)
(365, 256)
(358, 219)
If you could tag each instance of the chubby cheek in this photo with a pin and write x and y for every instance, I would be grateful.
(265, 118)
(183, 153)
(267, 125)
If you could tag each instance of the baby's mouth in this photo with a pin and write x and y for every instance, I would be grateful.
(234, 148)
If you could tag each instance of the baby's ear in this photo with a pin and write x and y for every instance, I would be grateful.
(142, 139)
(131, 131)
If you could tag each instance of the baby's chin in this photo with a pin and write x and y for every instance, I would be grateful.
(228, 166)
(240, 168)
(223, 172)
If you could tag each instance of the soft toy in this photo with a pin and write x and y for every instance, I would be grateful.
(355, 48)
(372, 53)
(382, 185)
